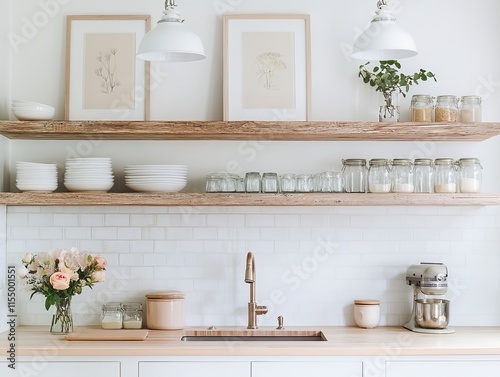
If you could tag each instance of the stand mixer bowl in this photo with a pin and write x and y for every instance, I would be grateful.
(432, 313)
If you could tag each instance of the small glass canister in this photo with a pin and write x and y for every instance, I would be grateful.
(470, 109)
(423, 176)
(132, 315)
(270, 183)
(287, 182)
(354, 171)
(379, 176)
(445, 175)
(446, 109)
(421, 108)
(402, 175)
(252, 182)
(112, 315)
(214, 182)
(471, 175)
(304, 183)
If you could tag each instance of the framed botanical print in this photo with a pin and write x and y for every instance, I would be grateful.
(267, 67)
(104, 80)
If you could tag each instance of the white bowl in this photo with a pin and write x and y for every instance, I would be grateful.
(22, 114)
(36, 187)
(88, 186)
(156, 187)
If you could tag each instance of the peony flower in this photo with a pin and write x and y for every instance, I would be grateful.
(100, 262)
(59, 281)
(98, 276)
(22, 272)
(73, 275)
(27, 258)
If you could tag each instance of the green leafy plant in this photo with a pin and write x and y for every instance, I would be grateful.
(387, 79)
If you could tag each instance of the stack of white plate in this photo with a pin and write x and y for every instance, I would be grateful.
(31, 176)
(88, 174)
(156, 178)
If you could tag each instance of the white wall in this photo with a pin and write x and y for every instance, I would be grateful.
(204, 253)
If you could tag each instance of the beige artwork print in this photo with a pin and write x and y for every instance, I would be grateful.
(268, 70)
(109, 70)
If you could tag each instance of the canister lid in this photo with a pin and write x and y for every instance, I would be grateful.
(366, 302)
(169, 295)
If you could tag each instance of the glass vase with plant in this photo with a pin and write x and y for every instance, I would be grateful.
(387, 80)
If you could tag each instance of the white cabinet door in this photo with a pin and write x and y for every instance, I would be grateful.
(443, 368)
(58, 368)
(307, 368)
(194, 369)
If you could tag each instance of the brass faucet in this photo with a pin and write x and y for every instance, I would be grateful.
(253, 309)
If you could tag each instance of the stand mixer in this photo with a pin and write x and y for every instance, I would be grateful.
(428, 316)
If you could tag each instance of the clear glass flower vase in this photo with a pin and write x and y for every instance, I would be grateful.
(62, 320)
(389, 107)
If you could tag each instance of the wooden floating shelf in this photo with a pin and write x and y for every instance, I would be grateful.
(241, 130)
(200, 200)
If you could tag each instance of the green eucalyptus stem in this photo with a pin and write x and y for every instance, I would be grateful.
(386, 78)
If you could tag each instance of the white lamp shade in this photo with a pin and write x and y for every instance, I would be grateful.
(384, 40)
(171, 41)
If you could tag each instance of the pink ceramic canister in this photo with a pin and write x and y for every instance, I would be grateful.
(165, 310)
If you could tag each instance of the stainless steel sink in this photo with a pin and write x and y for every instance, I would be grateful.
(256, 336)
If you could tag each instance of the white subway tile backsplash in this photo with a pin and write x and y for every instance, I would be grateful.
(312, 262)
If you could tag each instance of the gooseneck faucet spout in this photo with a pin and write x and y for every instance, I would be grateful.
(253, 309)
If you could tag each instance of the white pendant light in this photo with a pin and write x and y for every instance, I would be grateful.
(384, 39)
(170, 40)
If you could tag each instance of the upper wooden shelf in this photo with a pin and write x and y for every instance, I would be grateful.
(284, 131)
(288, 200)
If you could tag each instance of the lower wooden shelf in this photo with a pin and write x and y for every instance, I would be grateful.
(250, 200)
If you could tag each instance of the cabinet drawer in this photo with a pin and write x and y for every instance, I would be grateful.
(63, 368)
(307, 368)
(442, 368)
(194, 369)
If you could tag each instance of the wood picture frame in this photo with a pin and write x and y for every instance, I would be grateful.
(104, 79)
(266, 71)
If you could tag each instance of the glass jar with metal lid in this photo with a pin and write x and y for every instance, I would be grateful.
(423, 175)
(402, 175)
(421, 108)
(470, 174)
(379, 176)
(132, 315)
(112, 315)
(445, 175)
(446, 109)
(354, 170)
(470, 109)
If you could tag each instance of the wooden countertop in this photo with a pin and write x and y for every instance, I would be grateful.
(341, 341)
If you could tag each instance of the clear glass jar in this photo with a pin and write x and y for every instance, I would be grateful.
(402, 175)
(112, 316)
(421, 108)
(471, 175)
(213, 182)
(304, 183)
(423, 176)
(446, 109)
(338, 183)
(132, 315)
(229, 182)
(354, 171)
(270, 183)
(445, 175)
(252, 182)
(379, 176)
(470, 109)
(287, 182)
